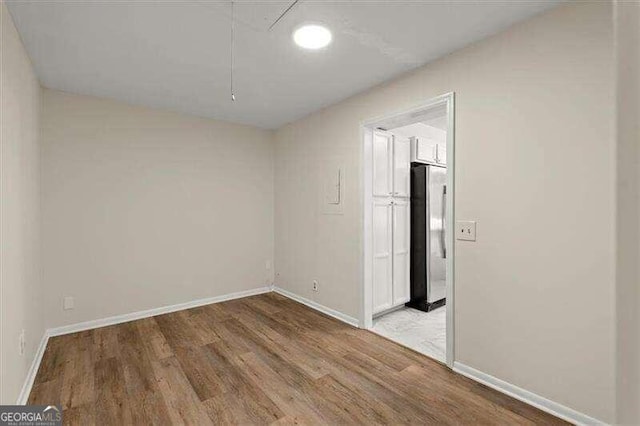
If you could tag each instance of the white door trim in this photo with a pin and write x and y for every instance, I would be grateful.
(450, 220)
(366, 132)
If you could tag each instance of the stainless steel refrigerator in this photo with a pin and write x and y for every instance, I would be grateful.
(428, 236)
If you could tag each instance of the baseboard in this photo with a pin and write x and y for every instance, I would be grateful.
(388, 311)
(523, 395)
(318, 307)
(516, 392)
(33, 370)
(118, 319)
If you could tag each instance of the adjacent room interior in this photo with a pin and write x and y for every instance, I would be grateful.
(411, 198)
(303, 212)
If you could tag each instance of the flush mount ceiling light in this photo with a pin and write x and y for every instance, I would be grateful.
(312, 36)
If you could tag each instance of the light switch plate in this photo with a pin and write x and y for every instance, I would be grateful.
(466, 230)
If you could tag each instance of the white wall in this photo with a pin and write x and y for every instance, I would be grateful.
(144, 208)
(535, 166)
(628, 229)
(20, 285)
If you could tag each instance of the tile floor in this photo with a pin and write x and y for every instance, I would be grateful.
(424, 332)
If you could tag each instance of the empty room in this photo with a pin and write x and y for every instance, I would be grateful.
(319, 212)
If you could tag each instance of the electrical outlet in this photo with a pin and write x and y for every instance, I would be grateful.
(466, 230)
(67, 304)
(315, 285)
(22, 342)
(267, 265)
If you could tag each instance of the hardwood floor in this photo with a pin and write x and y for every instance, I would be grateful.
(258, 360)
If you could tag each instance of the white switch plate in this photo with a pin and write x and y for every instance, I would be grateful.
(466, 230)
(67, 304)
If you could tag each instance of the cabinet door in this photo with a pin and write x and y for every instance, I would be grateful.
(382, 255)
(441, 153)
(401, 166)
(401, 235)
(425, 150)
(382, 146)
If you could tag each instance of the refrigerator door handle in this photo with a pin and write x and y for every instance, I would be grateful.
(443, 239)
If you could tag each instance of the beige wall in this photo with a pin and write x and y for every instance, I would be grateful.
(144, 208)
(20, 285)
(628, 235)
(535, 166)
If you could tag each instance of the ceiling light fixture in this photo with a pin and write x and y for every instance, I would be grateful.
(312, 36)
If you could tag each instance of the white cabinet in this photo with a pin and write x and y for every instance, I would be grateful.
(382, 255)
(426, 150)
(423, 150)
(391, 192)
(441, 153)
(401, 166)
(391, 235)
(401, 247)
(382, 153)
(391, 165)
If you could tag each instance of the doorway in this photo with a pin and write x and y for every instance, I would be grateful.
(408, 198)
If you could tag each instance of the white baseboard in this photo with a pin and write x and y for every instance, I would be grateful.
(516, 392)
(523, 395)
(88, 325)
(33, 370)
(118, 319)
(318, 307)
(388, 311)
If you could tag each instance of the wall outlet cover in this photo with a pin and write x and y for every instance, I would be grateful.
(466, 230)
(315, 285)
(67, 304)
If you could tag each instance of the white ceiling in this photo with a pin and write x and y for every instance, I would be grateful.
(175, 54)
(419, 130)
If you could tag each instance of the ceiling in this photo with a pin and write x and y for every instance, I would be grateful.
(175, 54)
(419, 130)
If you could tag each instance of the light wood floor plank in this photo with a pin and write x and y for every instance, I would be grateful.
(111, 402)
(77, 377)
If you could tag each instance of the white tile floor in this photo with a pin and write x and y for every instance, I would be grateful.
(424, 332)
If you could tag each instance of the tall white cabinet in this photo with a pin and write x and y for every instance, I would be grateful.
(390, 220)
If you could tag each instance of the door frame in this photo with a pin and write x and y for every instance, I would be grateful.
(366, 135)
